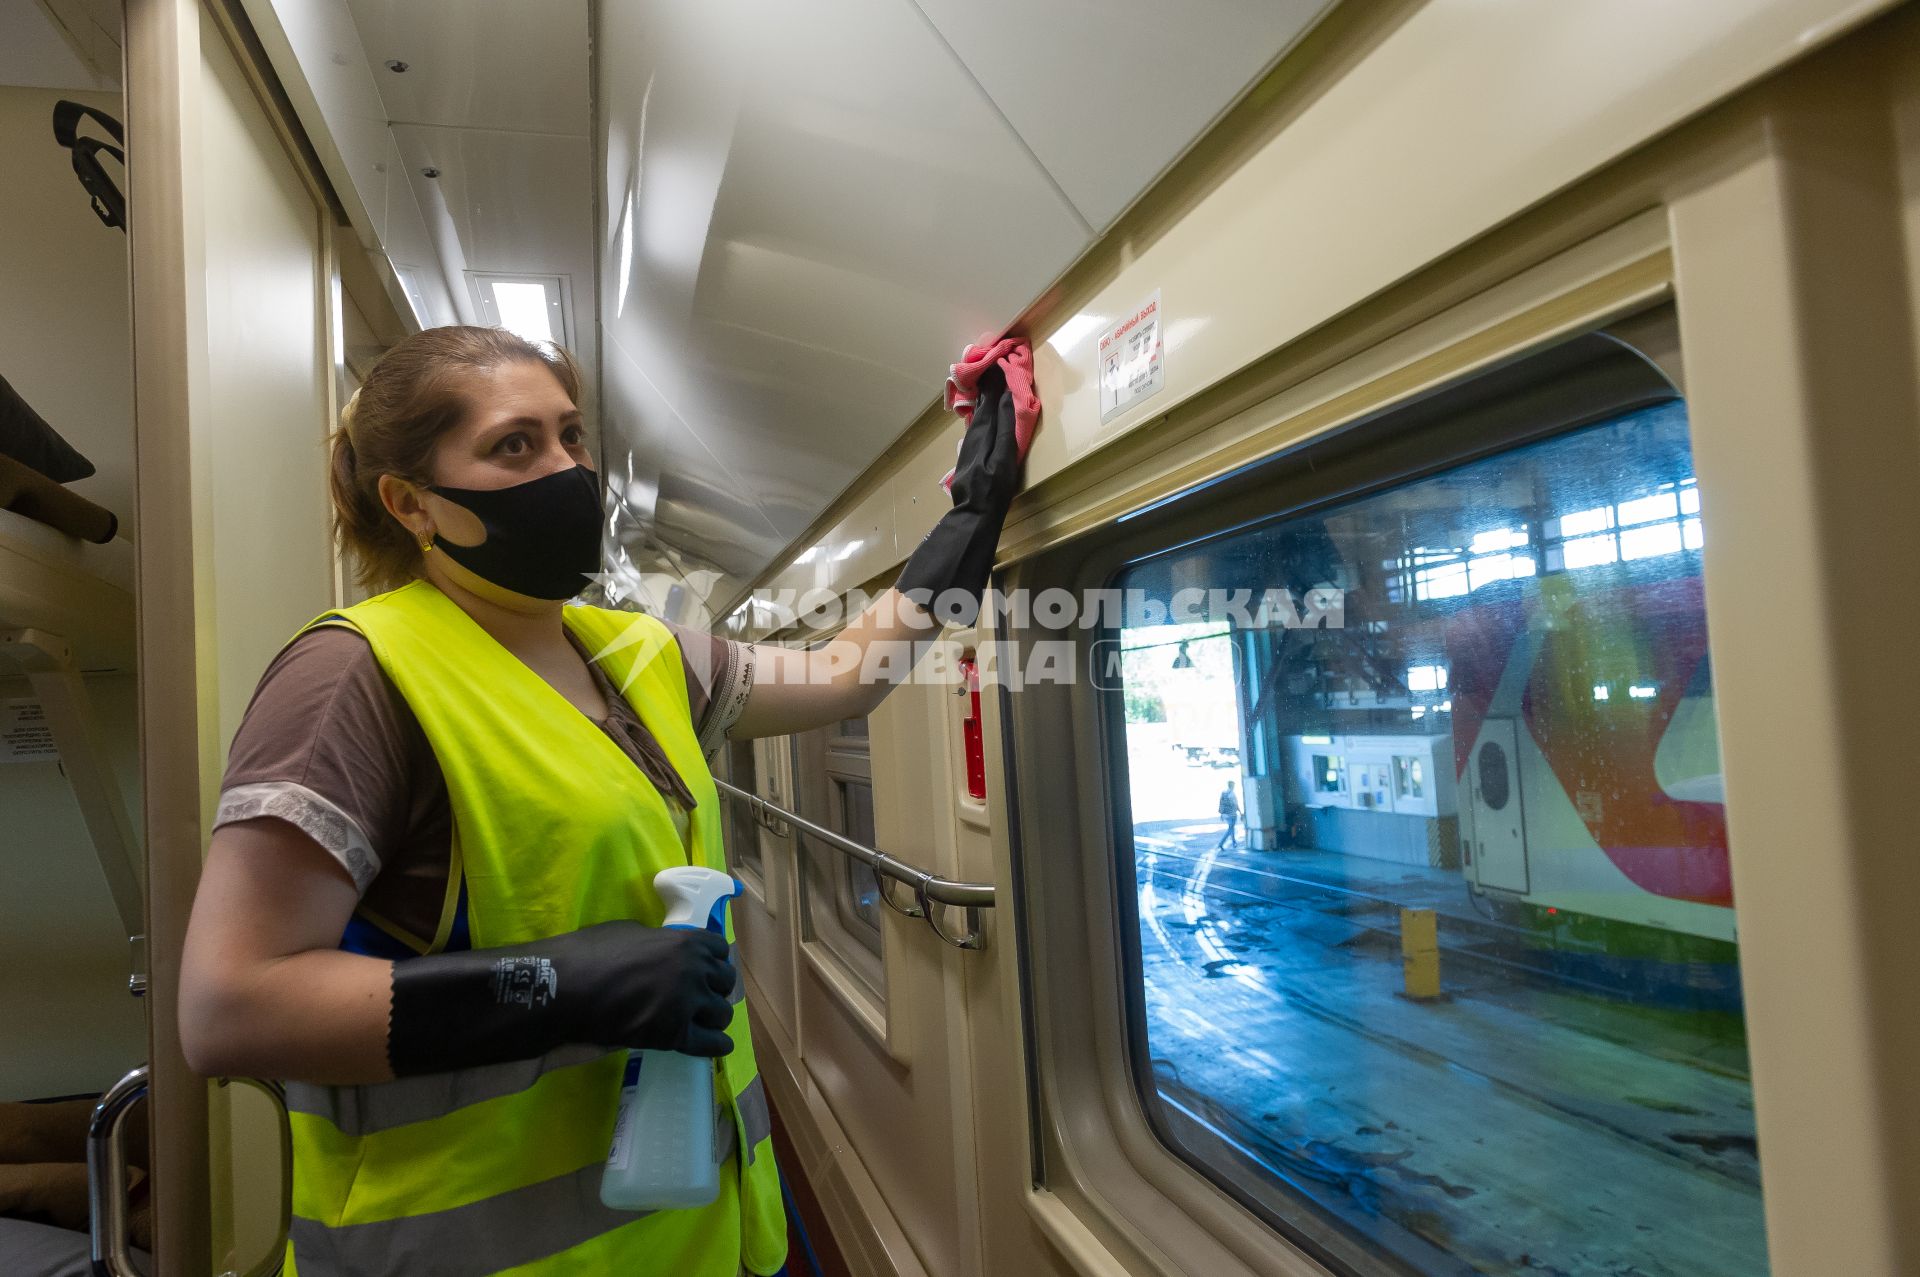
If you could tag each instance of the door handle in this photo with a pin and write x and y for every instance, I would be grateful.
(107, 1176)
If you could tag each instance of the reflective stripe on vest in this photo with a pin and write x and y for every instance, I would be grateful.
(554, 829)
(512, 1228)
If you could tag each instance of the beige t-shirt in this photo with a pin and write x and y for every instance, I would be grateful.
(329, 746)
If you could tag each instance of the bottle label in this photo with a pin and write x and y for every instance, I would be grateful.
(620, 1156)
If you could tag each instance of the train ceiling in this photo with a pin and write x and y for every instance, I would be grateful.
(60, 44)
(777, 223)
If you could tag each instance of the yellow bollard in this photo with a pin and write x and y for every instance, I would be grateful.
(1420, 954)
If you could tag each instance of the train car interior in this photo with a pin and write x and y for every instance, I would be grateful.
(1289, 622)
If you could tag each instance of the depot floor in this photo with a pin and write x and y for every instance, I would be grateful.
(1518, 1127)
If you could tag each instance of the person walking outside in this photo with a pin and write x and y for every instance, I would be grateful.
(1229, 812)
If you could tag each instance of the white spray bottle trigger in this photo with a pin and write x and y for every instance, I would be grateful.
(671, 1098)
(695, 897)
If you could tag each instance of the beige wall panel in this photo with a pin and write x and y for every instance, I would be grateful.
(764, 919)
(863, 543)
(902, 1104)
(177, 707)
(1468, 113)
(267, 408)
(1316, 220)
(1798, 339)
(73, 1027)
(65, 321)
(65, 345)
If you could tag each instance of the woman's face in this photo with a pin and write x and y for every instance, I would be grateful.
(520, 425)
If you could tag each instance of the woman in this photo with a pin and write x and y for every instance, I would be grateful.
(428, 898)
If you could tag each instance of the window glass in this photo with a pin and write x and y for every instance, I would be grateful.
(743, 835)
(842, 895)
(1507, 741)
(862, 888)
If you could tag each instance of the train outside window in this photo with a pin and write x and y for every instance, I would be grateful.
(1507, 745)
(835, 775)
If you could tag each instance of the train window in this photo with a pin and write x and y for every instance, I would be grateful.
(1509, 737)
(860, 900)
(1408, 779)
(842, 896)
(743, 834)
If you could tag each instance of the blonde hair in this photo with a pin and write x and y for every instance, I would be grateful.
(411, 397)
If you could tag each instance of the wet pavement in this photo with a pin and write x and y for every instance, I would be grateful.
(1522, 1125)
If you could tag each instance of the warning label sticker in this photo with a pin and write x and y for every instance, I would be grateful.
(25, 734)
(1129, 353)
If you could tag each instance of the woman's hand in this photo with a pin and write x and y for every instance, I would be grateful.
(266, 992)
(949, 570)
(941, 584)
(618, 984)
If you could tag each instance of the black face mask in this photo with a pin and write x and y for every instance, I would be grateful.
(543, 536)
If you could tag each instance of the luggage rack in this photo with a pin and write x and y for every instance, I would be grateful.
(931, 894)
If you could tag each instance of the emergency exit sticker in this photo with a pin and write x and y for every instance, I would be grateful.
(25, 734)
(1129, 353)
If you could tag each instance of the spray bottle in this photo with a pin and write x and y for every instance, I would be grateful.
(662, 1155)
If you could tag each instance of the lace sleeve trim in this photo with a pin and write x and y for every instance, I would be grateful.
(729, 696)
(310, 813)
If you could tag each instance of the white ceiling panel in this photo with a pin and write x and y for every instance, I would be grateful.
(511, 204)
(491, 64)
(803, 230)
(520, 203)
(692, 497)
(36, 54)
(1109, 92)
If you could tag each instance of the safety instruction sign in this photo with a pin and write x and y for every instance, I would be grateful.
(1129, 353)
(25, 734)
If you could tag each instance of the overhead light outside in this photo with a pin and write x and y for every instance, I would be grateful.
(807, 555)
(529, 306)
(523, 310)
(847, 549)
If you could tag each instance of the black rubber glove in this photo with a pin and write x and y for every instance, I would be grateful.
(949, 570)
(616, 984)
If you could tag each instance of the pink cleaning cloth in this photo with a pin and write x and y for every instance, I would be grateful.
(1015, 358)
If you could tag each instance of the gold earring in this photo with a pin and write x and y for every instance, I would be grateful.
(426, 546)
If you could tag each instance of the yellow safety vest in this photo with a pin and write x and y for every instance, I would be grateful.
(497, 1169)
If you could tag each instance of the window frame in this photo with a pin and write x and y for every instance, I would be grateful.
(558, 289)
(1075, 1053)
(740, 826)
(830, 932)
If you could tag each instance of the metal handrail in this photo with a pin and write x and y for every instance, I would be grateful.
(107, 1177)
(928, 889)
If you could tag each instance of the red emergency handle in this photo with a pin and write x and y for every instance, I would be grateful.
(970, 733)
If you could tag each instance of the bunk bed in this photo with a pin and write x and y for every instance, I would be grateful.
(66, 608)
(66, 611)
